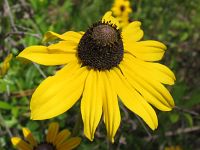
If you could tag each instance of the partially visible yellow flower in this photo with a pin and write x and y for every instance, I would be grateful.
(173, 148)
(121, 10)
(5, 65)
(55, 140)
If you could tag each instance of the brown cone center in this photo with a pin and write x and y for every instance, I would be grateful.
(45, 146)
(104, 34)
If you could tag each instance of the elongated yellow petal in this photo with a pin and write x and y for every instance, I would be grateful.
(91, 103)
(111, 110)
(67, 36)
(52, 132)
(153, 91)
(29, 137)
(70, 144)
(20, 144)
(63, 47)
(147, 94)
(41, 55)
(164, 69)
(146, 50)
(61, 137)
(157, 71)
(58, 93)
(132, 33)
(132, 99)
(108, 18)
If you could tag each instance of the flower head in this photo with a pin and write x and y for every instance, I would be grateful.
(103, 65)
(173, 148)
(121, 10)
(5, 65)
(55, 140)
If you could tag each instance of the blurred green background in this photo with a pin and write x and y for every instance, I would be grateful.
(174, 22)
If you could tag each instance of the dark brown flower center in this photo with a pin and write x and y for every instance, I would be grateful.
(101, 47)
(122, 8)
(45, 146)
(104, 34)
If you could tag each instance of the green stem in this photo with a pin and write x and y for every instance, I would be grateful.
(77, 126)
(5, 126)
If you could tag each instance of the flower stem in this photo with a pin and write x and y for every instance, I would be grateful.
(77, 125)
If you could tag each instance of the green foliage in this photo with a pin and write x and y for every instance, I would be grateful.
(176, 23)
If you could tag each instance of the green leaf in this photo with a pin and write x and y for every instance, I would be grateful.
(11, 123)
(32, 125)
(178, 92)
(174, 117)
(15, 112)
(189, 119)
(194, 100)
(5, 105)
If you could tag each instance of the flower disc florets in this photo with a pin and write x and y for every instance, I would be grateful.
(45, 146)
(101, 47)
(122, 8)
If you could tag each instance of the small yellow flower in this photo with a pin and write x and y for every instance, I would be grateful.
(173, 148)
(55, 140)
(5, 65)
(104, 65)
(121, 10)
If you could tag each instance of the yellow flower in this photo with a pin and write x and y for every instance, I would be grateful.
(121, 10)
(55, 140)
(5, 65)
(173, 148)
(103, 66)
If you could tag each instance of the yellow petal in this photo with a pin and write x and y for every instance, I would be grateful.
(20, 144)
(132, 33)
(5, 65)
(70, 144)
(157, 71)
(41, 55)
(108, 18)
(67, 36)
(58, 93)
(8, 58)
(63, 47)
(133, 100)
(52, 132)
(153, 91)
(111, 110)
(91, 103)
(164, 69)
(149, 95)
(29, 137)
(146, 50)
(61, 137)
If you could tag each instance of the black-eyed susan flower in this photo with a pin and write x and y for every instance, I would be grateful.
(4, 66)
(103, 65)
(121, 10)
(55, 140)
(173, 148)
(121, 7)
